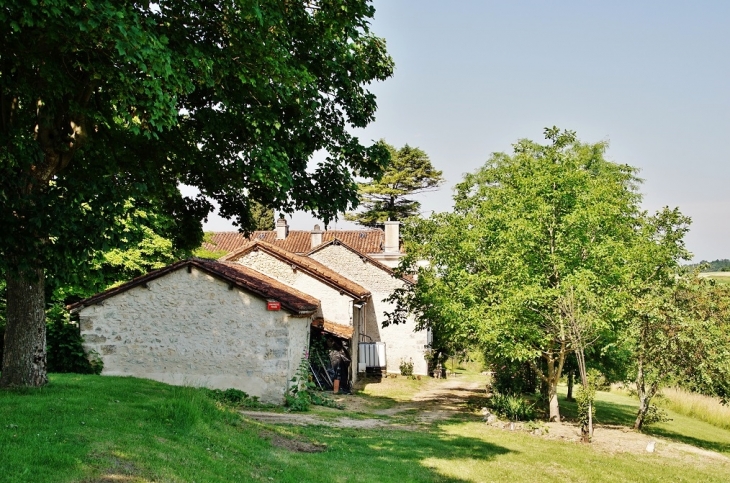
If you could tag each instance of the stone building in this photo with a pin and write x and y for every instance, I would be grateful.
(402, 342)
(201, 323)
(342, 301)
(216, 324)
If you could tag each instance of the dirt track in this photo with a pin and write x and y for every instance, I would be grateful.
(442, 399)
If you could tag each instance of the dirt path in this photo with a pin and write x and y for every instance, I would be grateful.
(438, 400)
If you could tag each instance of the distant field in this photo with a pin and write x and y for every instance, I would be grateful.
(719, 277)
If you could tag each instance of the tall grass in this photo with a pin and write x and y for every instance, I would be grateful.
(704, 408)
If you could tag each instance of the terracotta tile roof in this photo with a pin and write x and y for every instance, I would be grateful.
(342, 331)
(307, 265)
(364, 257)
(298, 241)
(292, 300)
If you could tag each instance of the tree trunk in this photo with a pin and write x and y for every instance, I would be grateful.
(24, 358)
(644, 397)
(643, 408)
(552, 382)
(569, 397)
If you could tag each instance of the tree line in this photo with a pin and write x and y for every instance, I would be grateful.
(548, 262)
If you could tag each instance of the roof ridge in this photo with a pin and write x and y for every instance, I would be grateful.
(309, 265)
(271, 288)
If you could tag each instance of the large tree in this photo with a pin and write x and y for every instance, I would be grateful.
(410, 172)
(530, 231)
(102, 102)
(678, 325)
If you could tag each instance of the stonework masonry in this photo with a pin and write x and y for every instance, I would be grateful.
(189, 328)
(402, 342)
(335, 307)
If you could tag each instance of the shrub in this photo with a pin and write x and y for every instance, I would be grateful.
(303, 392)
(655, 415)
(406, 368)
(65, 351)
(235, 398)
(512, 377)
(512, 407)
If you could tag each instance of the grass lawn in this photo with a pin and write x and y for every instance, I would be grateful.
(107, 429)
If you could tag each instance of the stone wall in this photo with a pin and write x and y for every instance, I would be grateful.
(191, 329)
(401, 341)
(335, 307)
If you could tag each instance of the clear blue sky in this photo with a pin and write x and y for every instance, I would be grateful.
(652, 78)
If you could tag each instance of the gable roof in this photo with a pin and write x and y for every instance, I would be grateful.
(308, 265)
(297, 241)
(363, 256)
(237, 275)
(339, 330)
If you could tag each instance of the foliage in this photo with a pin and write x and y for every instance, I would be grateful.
(406, 367)
(236, 398)
(303, 392)
(655, 415)
(681, 332)
(527, 230)
(719, 265)
(585, 400)
(64, 345)
(109, 101)
(202, 252)
(387, 198)
(262, 217)
(514, 377)
(512, 407)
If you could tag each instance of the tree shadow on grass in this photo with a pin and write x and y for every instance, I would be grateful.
(393, 455)
(704, 443)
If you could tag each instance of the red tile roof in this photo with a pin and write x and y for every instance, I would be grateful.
(298, 241)
(307, 265)
(237, 275)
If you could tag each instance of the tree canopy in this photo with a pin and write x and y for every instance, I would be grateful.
(388, 198)
(528, 231)
(102, 102)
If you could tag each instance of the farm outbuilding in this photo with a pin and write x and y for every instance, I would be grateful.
(201, 323)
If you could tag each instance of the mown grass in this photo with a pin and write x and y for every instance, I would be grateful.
(618, 408)
(92, 428)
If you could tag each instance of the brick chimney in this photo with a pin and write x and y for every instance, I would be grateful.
(282, 229)
(392, 237)
(316, 236)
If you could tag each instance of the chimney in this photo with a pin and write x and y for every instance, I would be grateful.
(282, 229)
(316, 236)
(392, 237)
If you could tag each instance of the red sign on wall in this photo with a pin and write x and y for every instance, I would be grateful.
(273, 305)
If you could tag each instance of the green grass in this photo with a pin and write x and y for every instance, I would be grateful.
(704, 408)
(617, 408)
(92, 428)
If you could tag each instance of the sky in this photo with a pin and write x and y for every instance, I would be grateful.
(651, 78)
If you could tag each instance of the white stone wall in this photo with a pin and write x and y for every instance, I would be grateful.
(401, 341)
(191, 329)
(335, 307)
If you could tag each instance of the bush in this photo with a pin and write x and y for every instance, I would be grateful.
(512, 407)
(235, 398)
(303, 392)
(406, 368)
(65, 351)
(655, 415)
(513, 377)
